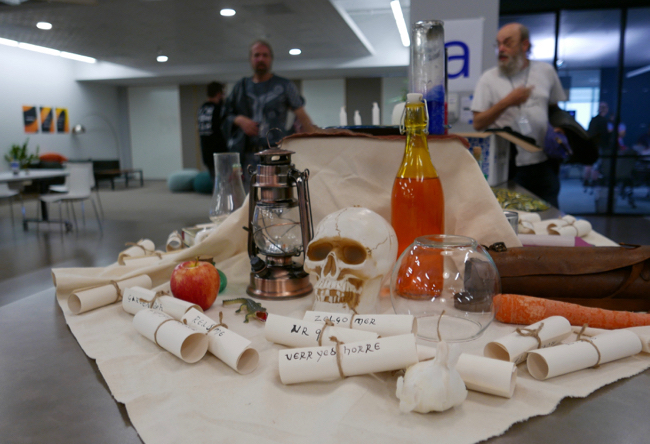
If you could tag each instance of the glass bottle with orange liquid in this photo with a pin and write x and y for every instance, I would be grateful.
(417, 201)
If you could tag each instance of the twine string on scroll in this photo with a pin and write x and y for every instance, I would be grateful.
(215, 326)
(156, 296)
(439, 335)
(338, 355)
(581, 339)
(532, 333)
(352, 319)
(328, 323)
(155, 333)
(136, 244)
(220, 324)
(117, 289)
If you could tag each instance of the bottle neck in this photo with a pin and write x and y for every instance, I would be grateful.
(417, 160)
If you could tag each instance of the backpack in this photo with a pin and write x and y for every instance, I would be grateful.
(583, 148)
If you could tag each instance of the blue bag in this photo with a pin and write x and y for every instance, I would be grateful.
(556, 145)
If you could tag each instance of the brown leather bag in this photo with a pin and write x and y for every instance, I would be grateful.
(614, 278)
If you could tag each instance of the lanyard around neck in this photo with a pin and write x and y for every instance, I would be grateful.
(525, 80)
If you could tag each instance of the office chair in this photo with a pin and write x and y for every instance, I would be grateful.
(79, 185)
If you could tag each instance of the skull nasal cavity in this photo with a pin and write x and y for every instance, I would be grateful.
(330, 266)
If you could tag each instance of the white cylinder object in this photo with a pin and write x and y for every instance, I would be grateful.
(375, 113)
(343, 117)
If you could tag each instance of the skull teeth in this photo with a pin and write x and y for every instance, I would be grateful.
(339, 287)
(336, 292)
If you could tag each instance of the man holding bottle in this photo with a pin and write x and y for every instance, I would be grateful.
(517, 94)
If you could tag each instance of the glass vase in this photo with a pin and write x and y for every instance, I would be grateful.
(228, 194)
(450, 274)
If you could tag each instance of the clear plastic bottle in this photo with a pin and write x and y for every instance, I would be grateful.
(417, 201)
(375, 113)
(343, 117)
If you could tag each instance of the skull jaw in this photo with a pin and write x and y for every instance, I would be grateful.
(367, 300)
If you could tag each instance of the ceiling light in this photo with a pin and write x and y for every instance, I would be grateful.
(77, 57)
(295, 51)
(40, 49)
(8, 42)
(44, 25)
(49, 51)
(162, 58)
(227, 12)
(401, 24)
(630, 74)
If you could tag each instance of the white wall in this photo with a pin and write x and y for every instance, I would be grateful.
(324, 99)
(392, 90)
(154, 118)
(29, 78)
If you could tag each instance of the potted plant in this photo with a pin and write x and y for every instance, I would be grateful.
(18, 154)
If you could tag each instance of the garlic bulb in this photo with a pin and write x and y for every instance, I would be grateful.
(432, 385)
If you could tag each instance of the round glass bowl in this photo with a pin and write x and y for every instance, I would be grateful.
(447, 273)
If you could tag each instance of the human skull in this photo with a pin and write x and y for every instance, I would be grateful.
(351, 252)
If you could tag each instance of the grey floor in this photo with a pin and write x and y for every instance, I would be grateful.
(53, 393)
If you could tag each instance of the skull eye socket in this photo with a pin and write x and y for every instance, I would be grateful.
(319, 251)
(354, 254)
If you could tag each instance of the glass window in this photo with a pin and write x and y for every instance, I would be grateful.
(587, 65)
(633, 162)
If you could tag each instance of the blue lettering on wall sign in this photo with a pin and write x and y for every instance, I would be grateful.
(464, 57)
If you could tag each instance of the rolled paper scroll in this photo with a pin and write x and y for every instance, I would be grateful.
(143, 247)
(165, 287)
(643, 332)
(296, 333)
(342, 360)
(546, 240)
(234, 350)
(582, 354)
(172, 335)
(86, 299)
(529, 217)
(569, 226)
(383, 325)
(513, 347)
(174, 242)
(142, 261)
(136, 299)
(526, 222)
(481, 374)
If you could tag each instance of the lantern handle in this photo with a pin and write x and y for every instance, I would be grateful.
(304, 206)
(252, 195)
(268, 142)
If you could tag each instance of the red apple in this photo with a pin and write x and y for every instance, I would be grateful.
(196, 282)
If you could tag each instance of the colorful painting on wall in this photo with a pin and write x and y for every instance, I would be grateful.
(47, 119)
(30, 119)
(62, 123)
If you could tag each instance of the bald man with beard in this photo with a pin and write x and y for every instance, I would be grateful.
(517, 94)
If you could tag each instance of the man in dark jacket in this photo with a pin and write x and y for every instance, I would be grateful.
(209, 125)
(259, 104)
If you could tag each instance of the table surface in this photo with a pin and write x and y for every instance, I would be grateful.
(35, 174)
(50, 391)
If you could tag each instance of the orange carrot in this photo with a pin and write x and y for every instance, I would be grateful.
(526, 310)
